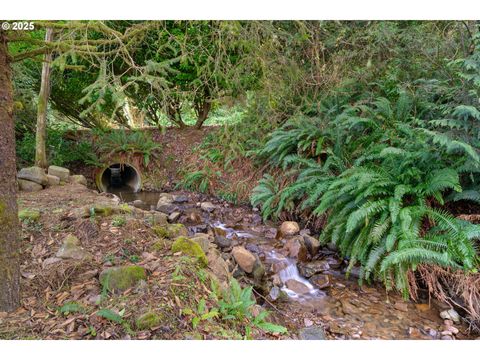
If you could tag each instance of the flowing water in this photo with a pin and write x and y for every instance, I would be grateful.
(343, 307)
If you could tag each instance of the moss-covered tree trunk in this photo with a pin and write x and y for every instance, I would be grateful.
(9, 261)
(41, 135)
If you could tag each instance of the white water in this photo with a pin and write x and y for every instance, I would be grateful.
(290, 272)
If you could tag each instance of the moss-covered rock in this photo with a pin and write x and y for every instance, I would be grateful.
(71, 249)
(122, 277)
(147, 321)
(189, 247)
(29, 215)
(170, 231)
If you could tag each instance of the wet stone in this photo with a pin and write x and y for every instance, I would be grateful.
(222, 241)
(289, 228)
(297, 287)
(320, 281)
(312, 333)
(312, 268)
(180, 198)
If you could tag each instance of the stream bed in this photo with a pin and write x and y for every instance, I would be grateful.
(312, 294)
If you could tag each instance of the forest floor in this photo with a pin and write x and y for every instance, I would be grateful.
(64, 298)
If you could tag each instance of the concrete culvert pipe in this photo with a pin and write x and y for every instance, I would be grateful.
(117, 176)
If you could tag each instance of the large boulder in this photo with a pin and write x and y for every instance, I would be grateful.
(289, 228)
(53, 180)
(244, 258)
(34, 174)
(29, 186)
(122, 277)
(189, 247)
(59, 171)
(71, 249)
(78, 179)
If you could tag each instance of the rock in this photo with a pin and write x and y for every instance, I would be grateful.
(194, 216)
(174, 216)
(447, 337)
(34, 174)
(320, 281)
(258, 271)
(138, 204)
(296, 248)
(244, 258)
(289, 228)
(158, 218)
(334, 262)
(122, 277)
(165, 203)
(276, 294)
(147, 321)
(207, 206)
(401, 306)
(59, 171)
(218, 265)
(312, 333)
(170, 231)
(179, 198)
(189, 247)
(312, 244)
(450, 314)
(204, 240)
(53, 180)
(297, 286)
(71, 249)
(222, 241)
(309, 269)
(29, 215)
(451, 330)
(29, 186)
(78, 179)
(279, 266)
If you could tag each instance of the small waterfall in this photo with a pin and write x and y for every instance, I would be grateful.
(290, 272)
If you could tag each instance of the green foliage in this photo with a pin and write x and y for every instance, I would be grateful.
(111, 315)
(380, 175)
(70, 308)
(124, 143)
(60, 150)
(235, 305)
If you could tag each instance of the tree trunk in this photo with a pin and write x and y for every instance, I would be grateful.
(202, 110)
(41, 135)
(9, 245)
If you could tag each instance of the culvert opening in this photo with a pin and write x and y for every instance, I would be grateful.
(116, 177)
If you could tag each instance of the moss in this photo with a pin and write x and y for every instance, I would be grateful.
(189, 247)
(122, 277)
(170, 231)
(159, 245)
(160, 231)
(124, 209)
(176, 230)
(147, 321)
(29, 215)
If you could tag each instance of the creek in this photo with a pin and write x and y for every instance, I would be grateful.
(313, 293)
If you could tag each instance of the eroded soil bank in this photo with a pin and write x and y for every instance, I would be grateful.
(113, 235)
